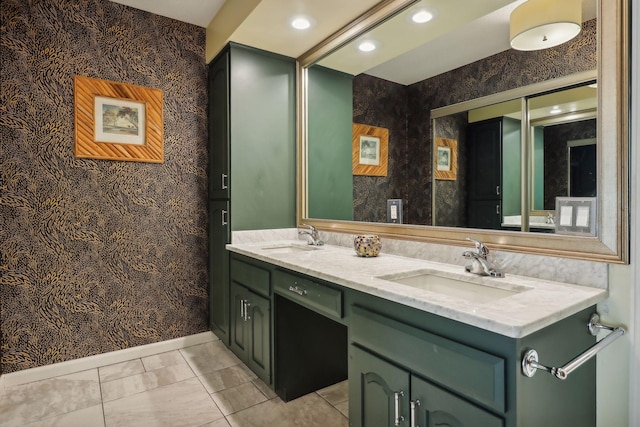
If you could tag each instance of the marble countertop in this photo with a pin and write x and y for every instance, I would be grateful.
(515, 306)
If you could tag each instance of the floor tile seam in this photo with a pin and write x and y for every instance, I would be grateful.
(104, 417)
(126, 376)
(148, 390)
(248, 407)
(150, 371)
(333, 405)
(213, 400)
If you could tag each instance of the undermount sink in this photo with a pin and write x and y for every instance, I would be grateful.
(288, 248)
(472, 291)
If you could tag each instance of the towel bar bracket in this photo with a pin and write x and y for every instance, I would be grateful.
(530, 363)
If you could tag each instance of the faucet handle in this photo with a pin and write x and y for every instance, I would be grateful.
(311, 227)
(482, 249)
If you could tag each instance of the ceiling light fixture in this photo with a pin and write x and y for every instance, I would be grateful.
(540, 24)
(301, 23)
(421, 17)
(367, 46)
(555, 110)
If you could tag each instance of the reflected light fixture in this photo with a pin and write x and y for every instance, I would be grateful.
(367, 46)
(421, 17)
(540, 24)
(300, 23)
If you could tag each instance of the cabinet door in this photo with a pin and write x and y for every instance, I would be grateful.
(484, 204)
(378, 391)
(437, 407)
(219, 269)
(485, 159)
(259, 332)
(239, 342)
(219, 138)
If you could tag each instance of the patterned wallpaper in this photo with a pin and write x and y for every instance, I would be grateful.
(381, 103)
(498, 73)
(97, 255)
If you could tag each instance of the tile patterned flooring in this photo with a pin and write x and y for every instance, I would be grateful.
(201, 385)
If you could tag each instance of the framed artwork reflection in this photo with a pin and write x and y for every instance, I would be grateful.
(370, 150)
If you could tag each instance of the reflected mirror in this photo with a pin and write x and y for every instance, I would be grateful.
(427, 181)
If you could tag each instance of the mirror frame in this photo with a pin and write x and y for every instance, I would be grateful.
(611, 244)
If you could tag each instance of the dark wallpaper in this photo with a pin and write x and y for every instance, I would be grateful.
(97, 255)
(556, 178)
(381, 103)
(507, 70)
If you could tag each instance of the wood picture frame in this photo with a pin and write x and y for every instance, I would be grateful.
(118, 121)
(445, 159)
(370, 150)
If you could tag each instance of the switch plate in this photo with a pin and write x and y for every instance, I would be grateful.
(394, 211)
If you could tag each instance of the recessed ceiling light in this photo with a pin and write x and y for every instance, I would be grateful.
(301, 23)
(367, 46)
(422, 16)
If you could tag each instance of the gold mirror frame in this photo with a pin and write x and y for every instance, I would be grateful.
(611, 244)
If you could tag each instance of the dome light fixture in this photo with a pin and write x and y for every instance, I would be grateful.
(541, 24)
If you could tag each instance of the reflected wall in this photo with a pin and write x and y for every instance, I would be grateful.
(498, 73)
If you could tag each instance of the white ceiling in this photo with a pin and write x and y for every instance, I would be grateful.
(197, 12)
(463, 31)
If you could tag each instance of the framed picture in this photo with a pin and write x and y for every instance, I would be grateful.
(118, 121)
(370, 148)
(445, 156)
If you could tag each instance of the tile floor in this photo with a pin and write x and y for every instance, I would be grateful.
(201, 385)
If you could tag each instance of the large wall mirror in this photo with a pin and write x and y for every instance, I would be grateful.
(483, 140)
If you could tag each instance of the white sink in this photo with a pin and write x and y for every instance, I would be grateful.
(480, 291)
(289, 248)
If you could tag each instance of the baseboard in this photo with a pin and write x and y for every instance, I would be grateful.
(92, 362)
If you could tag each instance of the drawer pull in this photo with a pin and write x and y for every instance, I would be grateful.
(242, 308)
(297, 290)
(414, 413)
(246, 311)
(396, 397)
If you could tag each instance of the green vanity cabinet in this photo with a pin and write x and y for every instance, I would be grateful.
(219, 236)
(388, 395)
(251, 317)
(300, 333)
(386, 351)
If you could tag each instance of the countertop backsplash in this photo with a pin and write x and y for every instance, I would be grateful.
(565, 270)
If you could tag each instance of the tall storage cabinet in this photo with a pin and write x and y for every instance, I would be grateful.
(252, 169)
(493, 172)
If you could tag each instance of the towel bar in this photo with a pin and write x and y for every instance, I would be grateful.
(530, 362)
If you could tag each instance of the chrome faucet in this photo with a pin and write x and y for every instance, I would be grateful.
(480, 263)
(313, 235)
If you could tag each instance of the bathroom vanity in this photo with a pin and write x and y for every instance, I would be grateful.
(421, 343)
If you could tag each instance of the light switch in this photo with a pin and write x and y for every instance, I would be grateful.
(394, 211)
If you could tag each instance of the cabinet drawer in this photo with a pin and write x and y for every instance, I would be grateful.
(250, 276)
(316, 296)
(473, 373)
